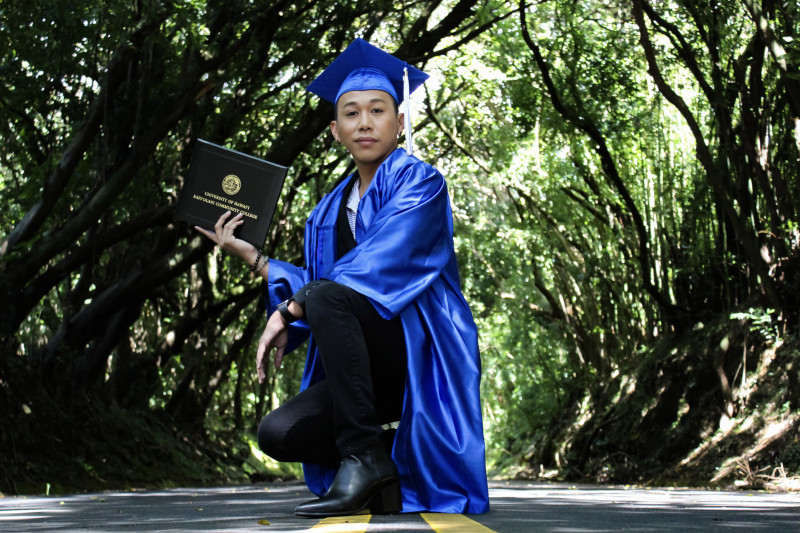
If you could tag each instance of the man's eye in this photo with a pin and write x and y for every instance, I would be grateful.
(350, 114)
(377, 110)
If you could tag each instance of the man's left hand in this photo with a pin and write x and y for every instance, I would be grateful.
(276, 335)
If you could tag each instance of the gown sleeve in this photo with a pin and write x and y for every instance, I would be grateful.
(408, 240)
(284, 280)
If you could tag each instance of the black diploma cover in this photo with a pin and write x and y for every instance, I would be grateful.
(219, 180)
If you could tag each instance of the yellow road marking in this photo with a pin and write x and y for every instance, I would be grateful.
(354, 524)
(454, 522)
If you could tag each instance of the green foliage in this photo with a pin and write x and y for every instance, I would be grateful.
(587, 226)
(108, 298)
(762, 322)
(608, 197)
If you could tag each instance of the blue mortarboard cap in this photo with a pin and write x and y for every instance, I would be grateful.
(364, 67)
(362, 79)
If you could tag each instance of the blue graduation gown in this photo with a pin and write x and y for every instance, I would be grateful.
(405, 264)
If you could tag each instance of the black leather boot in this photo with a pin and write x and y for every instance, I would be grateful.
(366, 480)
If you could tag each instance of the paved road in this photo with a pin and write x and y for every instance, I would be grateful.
(516, 507)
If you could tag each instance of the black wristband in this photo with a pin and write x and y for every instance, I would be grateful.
(283, 309)
(258, 258)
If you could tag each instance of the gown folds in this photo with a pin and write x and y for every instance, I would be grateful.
(405, 264)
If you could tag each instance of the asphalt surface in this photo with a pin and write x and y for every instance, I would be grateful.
(516, 507)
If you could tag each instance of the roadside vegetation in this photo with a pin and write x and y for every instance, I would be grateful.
(624, 179)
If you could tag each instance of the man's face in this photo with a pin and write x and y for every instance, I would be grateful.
(368, 126)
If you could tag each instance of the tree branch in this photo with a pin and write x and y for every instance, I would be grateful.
(746, 238)
(607, 161)
(76, 149)
(778, 53)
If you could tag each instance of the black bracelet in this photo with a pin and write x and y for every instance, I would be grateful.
(258, 258)
(283, 309)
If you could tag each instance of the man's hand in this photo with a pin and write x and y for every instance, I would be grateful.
(224, 238)
(276, 335)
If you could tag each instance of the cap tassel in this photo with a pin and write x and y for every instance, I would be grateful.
(407, 112)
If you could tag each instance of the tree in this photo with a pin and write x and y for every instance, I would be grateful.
(641, 241)
(605, 247)
(107, 298)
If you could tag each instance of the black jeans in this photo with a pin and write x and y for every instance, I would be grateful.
(364, 358)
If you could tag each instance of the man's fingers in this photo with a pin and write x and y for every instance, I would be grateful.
(221, 220)
(234, 222)
(274, 336)
(262, 375)
(278, 357)
(211, 235)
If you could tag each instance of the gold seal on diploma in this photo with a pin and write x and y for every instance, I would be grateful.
(231, 184)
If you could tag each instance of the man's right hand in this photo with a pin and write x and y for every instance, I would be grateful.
(224, 238)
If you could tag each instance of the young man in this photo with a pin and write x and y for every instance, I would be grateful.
(392, 340)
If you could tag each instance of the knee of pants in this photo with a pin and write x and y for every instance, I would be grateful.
(324, 299)
(271, 438)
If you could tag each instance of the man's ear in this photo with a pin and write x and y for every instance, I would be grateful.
(335, 131)
(401, 125)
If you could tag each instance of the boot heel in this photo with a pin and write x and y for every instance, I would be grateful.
(387, 501)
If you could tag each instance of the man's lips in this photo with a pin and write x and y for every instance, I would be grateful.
(366, 141)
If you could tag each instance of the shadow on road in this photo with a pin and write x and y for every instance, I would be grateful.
(516, 507)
